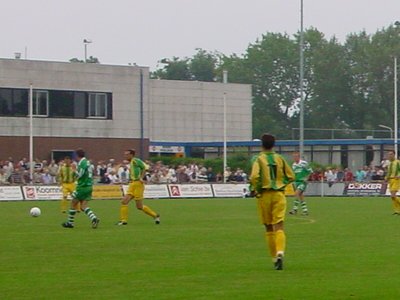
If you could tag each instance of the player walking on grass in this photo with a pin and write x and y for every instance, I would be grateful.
(135, 189)
(67, 177)
(301, 171)
(83, 192)
(270, 174)
(393, 178)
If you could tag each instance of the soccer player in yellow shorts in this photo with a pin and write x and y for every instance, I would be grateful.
(67, 179)
(393, 177)
(135, 189)
(270, 174)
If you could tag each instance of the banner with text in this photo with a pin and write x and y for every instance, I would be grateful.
(365, 189)
(230, 190)
(107, 192)
(10, 193)
(190, 191)
(42, 192)
(152, 191)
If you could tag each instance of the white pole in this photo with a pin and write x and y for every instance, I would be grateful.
(31, 165)
(301, 142)
(395, 107)
(225, 81)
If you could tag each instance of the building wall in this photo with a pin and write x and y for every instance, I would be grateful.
(96, 148)
(122, 81)
(183, 111)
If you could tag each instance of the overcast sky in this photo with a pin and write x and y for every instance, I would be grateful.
(143, 32)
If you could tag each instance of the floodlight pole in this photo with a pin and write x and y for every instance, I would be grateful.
(301, 141)
(225, 81)
(31, 165)
(395, 108)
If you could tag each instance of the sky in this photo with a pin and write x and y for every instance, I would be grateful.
(144, 32)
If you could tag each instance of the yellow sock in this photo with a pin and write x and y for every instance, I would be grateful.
(280, 241)
(396, 204)
(64, 205)
(147, 210)
(123, 213)
(270, 239)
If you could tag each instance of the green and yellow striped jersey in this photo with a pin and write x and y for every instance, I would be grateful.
(137, 169)
(66, 174)
(393, 169)
(270, 171)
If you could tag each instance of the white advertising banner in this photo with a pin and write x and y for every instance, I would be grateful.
(230, 190)
(42, 192)
(190, 190)
(152, 191)
(10, 193)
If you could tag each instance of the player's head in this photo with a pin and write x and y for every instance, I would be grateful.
(67, 160)
(391, 155)
(296, 156)
(79, 153)
(268, 141)
(129, 154)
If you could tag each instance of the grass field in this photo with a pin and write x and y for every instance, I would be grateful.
(348, 248)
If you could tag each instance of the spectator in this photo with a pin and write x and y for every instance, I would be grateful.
(53, 170)
(330, 176)
(113, 178)
(360, 175)
(46, 177)
(348, 175)
(340, 175)
(16, 177)
(210, 175)
(3, 177)
(123, 173)
(202, 176)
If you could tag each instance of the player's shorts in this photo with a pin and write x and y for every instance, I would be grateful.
(394, 184)
(136, 190)
(67, 188)
(271, 207)
(300, 186)
(83, 193)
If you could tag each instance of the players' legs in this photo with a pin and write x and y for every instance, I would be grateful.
(124, 209)
(147, 210)
(395, 202)
(302, 202)
(88, 211)
(71, 214)
(64, 204)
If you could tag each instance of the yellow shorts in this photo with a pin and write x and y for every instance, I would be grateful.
(136, 190)
(67, 189)
(394, 184)
(272, 207)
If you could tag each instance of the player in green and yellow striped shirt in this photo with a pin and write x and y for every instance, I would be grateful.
(270, 174)
(135, 189)
(66, 176)
(393, 177)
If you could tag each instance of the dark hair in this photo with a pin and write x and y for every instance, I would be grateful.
(131, 151)
(268, 141)
(67, 157)
(80, 153)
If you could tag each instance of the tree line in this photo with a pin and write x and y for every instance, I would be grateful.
(347, 85)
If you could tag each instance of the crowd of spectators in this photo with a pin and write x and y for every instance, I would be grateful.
(364, 174)
(112, 172)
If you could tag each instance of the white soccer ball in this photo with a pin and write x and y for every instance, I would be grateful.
(35, 212)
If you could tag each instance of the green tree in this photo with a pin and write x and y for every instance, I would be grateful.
(202, 66)
(175, 69)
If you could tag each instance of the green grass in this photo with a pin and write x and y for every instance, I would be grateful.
(348, 248)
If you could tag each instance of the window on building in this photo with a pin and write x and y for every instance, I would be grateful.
(40, 103)
(56, 104)
(97, 105)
